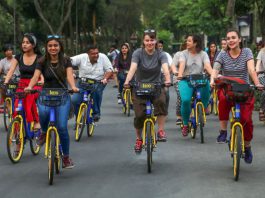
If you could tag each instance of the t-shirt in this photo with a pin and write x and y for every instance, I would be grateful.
(5, 66)
(234, 67)
(26, 71)
(94, 71)
(148, 66)
(261, 56)
(194, 64)
(175, 60)
(50, 80)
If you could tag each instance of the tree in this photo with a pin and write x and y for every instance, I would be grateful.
(64, 15)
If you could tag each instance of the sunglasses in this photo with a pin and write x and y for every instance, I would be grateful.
(53, 36)
(149, 31)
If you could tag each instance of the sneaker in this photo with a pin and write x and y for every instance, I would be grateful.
(138, 146)
(161, 136)
(67, 162)
(179, 121)
(119, 101)
(96, 118)
(185, 130)
(248, 155)
(222, 137)
(41, 139)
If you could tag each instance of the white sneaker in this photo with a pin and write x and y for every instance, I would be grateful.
(119, 101)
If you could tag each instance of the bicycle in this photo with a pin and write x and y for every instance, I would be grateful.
(84, 116)
(53, 97)
(197, 117)
(237, 93)
(126, 101)
(213, 103)
(9, 101)
(147, 91)
(19, 131)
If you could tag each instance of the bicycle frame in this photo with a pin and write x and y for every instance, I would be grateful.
(28, 132)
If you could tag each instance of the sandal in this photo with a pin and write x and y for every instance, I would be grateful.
(261, 116)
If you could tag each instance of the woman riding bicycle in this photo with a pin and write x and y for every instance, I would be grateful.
(236, 62)
(56, 69)
(192, 61)
(122, 65)
(146, 65)
(27, 61)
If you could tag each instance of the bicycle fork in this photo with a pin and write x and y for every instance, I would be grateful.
(149, 119)
(236, 120)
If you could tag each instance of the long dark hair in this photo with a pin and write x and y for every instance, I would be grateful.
(62, 59)
(209, 47)
(121, 60)
(33, 40)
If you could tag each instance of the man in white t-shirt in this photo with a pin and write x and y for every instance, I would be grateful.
(96, 66)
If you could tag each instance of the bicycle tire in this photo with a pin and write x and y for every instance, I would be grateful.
(14, 130)
(201, 121)
(237, 151)
(51, 156)
(57, 162)
(34, 147)
(128, 103)
(80, 122)
(149, 146)
(7, 114)
(192, 125)
(215, 106)
(91, 125)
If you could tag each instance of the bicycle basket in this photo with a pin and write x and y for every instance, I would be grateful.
(197, 80)
(148, 89)
(53, 97)
(87, 83)
(238, 92)
(11, 89)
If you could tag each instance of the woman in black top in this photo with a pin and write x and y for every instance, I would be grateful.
(27, 61)
(56, 69)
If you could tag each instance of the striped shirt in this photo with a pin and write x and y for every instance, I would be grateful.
(234, 67)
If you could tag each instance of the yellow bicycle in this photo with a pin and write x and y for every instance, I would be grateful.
(127, 101)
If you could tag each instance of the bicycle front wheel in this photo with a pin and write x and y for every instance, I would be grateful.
(149, 146)
(237, 151)
(7, 113)
(91, 125)
(51, 156)
(80, 122)
(201, 121)
(15, 140)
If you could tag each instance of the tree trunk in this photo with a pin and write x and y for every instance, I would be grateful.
(261, 16)
(230, 13)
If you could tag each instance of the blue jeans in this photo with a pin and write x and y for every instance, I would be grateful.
(186, 92)
(121, 77)
(97, 95)
(62, 114)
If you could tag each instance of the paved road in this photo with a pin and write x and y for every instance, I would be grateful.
(106, 165)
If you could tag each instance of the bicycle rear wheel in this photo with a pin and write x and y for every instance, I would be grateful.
(149, 146)
(34, 147)
(201, 121)
(237, 151)
(15, 140)
(7, 113)
(51, 156)
(128, 103)
(80, 122)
